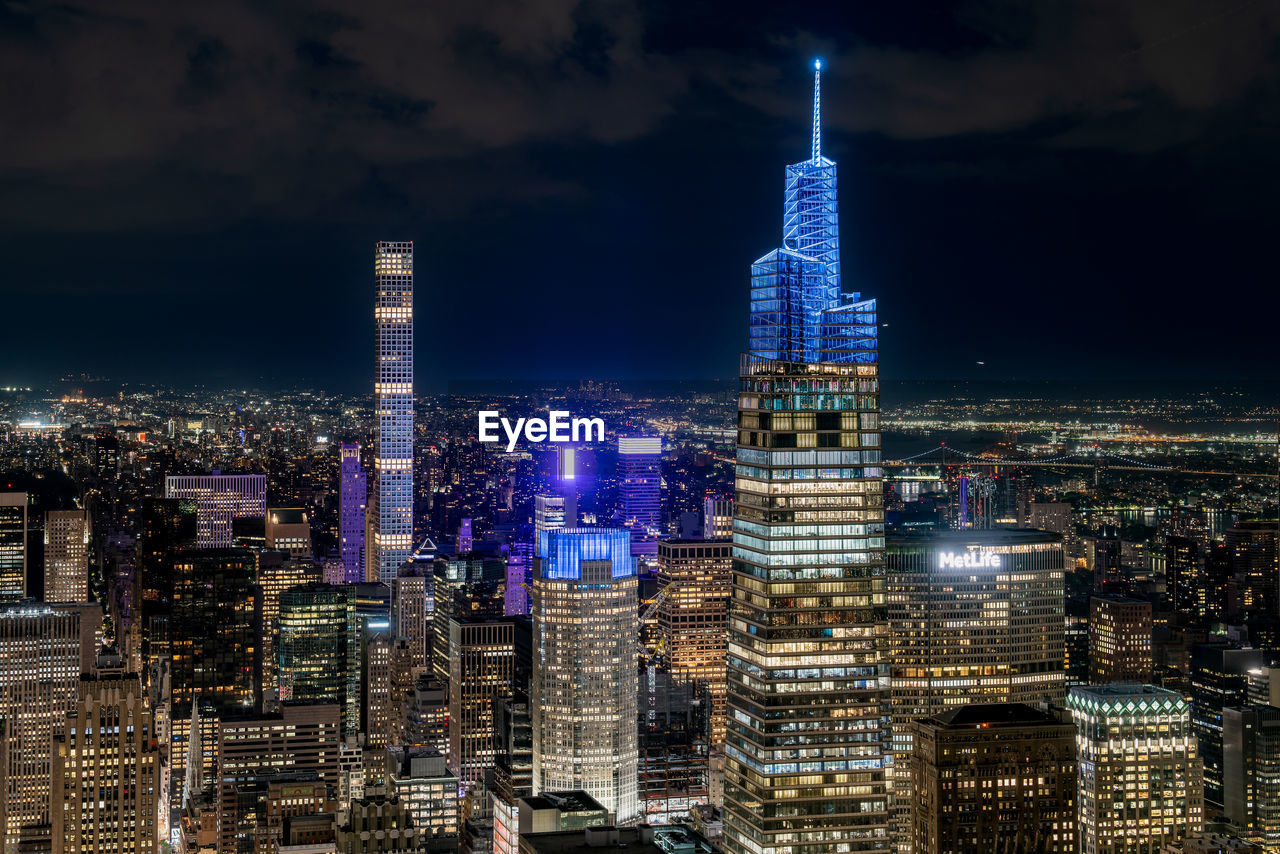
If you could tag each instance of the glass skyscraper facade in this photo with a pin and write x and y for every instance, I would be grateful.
(393, 499)
(807, 752)
(639, 484)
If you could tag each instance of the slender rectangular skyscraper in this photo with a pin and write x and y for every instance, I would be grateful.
(393, 391)
(353, 498)
(13, 546)
(639, 479)
(807, 749)
(66, 556)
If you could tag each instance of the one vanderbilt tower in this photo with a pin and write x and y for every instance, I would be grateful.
(806, 753)
(391, 511)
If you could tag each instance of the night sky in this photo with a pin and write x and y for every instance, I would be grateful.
(190, 192)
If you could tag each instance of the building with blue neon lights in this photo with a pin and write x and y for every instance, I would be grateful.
(808, 757)
(584, 688)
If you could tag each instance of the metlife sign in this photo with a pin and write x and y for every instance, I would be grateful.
(972, 559)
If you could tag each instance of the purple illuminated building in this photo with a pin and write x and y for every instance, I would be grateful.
(639, 477)
(353, 497)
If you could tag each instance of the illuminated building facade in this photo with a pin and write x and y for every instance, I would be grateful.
(219, 498)
(993, 777)
(807, 746)
(1139, 772)
(66, 556)
(43, 651)
(1119, 640)
(409, 598)
(353, 499)
(392, 508)
(377, 714)
(512, 770)
(1251, 770)
(1219, 678)
(717, 518)
(584, 687)
(288, 529)
(314, 647)
(107, 745)
(463, 588)
(974, 616)
(481, 655)
(693, 616)
(276, 574)
(639, 487)
(13, 546)
(426, 787)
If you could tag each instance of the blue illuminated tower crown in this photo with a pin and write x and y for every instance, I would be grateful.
(798, 312)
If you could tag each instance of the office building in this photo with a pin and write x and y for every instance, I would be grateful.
(410, 600)
(1251, 771)
(215, 659)
(380, 823)
(105, 783)
(429, 715)
(66, 556)
(353, 499)
(808, 533)
(557, 812)
(639, 487)
(1183, 566)
(392, 501)
(1120, 637)
(993, 777)
(288, 529)
(693, 616)
(1251, 547)
(13, 546)
(1219, 678)
(481, 655)
(418, 776)
(300, 740)
(43, 651)
(463, 588)
(377, 714)
(512, 769)
(1139, 770)
(219, 499)
(674, 746)
(277, 572)
(584, 687)
(717, 518)
(314, 648)
(549, 513)
(974, 616)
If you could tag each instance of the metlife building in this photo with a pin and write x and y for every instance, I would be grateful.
(975, 616)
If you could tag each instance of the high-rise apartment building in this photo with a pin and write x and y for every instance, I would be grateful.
(353, 500)
(974, 616)
(106, 785)
(1251, 770)
(806, 752)
(13, 546)
(1120, 640)
(639, 488)
(693, 616)
(66, 556)
(1139, 768)
(584, 687)
(376, 712)
(717, 518)
(1183, 566)
(993, 777)
(43, 651)
(392, 503)
(410, 602)
(220, 498)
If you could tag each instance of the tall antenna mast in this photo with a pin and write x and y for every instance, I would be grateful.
(817, 111)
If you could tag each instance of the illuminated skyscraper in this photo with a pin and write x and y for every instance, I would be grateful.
(717, 518)
(693, 616)
(1119, 640)
(392, 509)
(106, 747)
(66, 556)
(43, 651)
(584, 688)
(1139, 768)
(13, 546)
(220, 498)
(639, 480)
(807, 747)
(314, 647)
(353, 498)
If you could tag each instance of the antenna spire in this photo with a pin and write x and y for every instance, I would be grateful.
(817, 111)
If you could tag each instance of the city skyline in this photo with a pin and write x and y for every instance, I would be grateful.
(976, 145)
